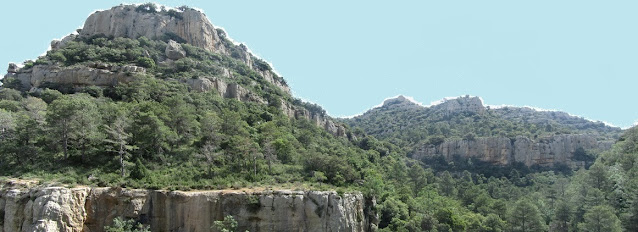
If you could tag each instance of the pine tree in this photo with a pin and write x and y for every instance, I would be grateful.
(600, 218)
(525, 217)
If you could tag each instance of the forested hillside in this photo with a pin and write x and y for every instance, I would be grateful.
(165, 113)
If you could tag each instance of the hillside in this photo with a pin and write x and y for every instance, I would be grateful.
(464, 126)
(150, 101)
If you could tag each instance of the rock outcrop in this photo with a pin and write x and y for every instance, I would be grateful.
(129, 21)
(461, 104)
(400, 102)
(321, 120)
(503, 151)
(91, 209)
(95, 74)
(174, 51)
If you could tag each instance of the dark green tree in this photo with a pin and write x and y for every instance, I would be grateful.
(600, 218)
(524, 216)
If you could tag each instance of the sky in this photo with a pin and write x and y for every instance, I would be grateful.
(348, 56)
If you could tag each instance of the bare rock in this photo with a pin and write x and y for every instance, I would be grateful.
(462, 104)
(13, 68)
(502, 151)
(174, 51)
(57, 44)
(91, 209)
(98, 74)
(125, 21)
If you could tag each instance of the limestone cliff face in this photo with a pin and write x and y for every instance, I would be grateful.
(461, 104)
(126, 21)
(323, 121)
(502, 151)
(90, 209)
(95, 74)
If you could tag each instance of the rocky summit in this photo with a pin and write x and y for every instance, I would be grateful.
(131, 21)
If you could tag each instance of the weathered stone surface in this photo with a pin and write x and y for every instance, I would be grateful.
(174, 51)
(124, 21)
(201, 84)
(322, 121)
(13, 68)
(43, 209)
(461, 104)
(502, 151)
(548, 151)
(57, 44)
(90, 209)
(98, 74)
(495, 150)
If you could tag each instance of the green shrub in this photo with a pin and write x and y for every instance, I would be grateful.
(145, 62)
(121, 225)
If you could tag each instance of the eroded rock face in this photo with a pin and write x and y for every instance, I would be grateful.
(43, 209)
(125, 21)
(322, 121)
(502, 151)
(174, 51)
(90, 209)
(462, 104)
(98, 74)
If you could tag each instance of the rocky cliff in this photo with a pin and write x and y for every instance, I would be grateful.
(91, 209)
(502, 151)
(95, 74)
(131, 21)
(461, 104)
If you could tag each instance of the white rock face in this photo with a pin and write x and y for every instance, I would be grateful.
(502, 151)
(124, 21)
(462, 104)
(96, 74)
(90, 209)
(174, 51)
(45, 209)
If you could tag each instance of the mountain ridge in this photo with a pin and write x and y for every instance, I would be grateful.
(444, 100)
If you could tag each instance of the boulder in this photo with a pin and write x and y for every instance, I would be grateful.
(13, 68)
(174, 50)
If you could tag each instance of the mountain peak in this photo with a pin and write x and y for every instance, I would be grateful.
(184, 25)
(465, 103)
(400, 100)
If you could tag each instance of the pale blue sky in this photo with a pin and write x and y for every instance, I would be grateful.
(577, 56)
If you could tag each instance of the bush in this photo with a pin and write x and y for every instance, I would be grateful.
(227, 225)
(147, 8)
(145, 62)
(10, 94)
(50, 95)
(121, 225)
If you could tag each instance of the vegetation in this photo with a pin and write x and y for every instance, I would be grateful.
(121, 225)
(409, 125)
